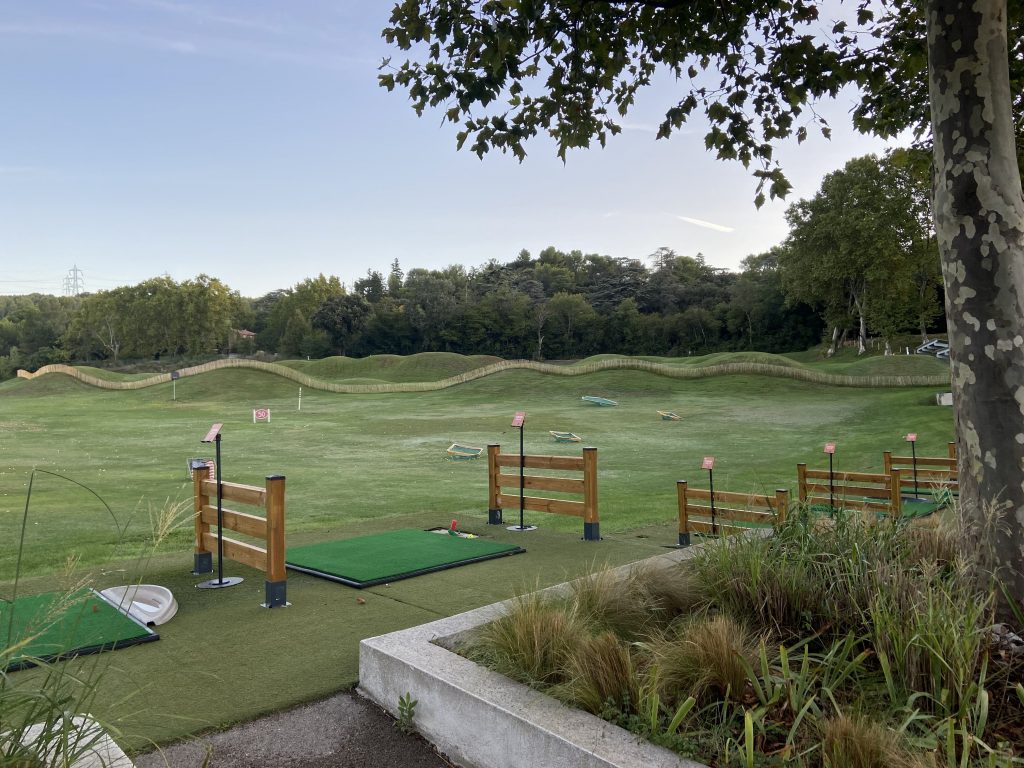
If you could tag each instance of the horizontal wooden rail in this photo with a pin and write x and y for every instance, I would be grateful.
(538, 504)
(541, 483)
(844, 477)
(878, 492)
(505, 490)
(241, 522)
(243, 494)
(573, 463)
(730, 513)
(239, 551)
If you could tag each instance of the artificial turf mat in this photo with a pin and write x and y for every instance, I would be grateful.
(385, 557)
(59, 625)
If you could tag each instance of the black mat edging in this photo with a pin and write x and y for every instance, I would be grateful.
(405, 574)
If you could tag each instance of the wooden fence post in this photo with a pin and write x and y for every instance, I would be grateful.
(202, 560)
(886, 462)
(897, 493)
(951, 450)
(277, 579)
(493, 510)
(781, 504)
(591, 524)
(684, 518)
(801, 474)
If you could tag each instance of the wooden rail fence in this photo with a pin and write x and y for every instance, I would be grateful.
(932, 471)
(503, 488)
(865, 491)
(700, 511)
(268, 558)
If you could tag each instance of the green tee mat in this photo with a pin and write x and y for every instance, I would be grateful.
(366, 561)
(59, 626)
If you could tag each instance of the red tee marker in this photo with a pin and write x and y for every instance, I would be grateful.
(830, 447)
(709, 462)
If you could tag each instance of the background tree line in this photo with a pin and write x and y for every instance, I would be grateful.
(860, 259)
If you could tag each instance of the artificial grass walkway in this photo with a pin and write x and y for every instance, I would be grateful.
(53, 624)
(366, 561)
(224, 659)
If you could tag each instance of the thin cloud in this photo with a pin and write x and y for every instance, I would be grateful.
(706, 224)
(218, 48)
(205, 15)
(25, 171)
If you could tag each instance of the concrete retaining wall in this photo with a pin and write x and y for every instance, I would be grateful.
(481, 719)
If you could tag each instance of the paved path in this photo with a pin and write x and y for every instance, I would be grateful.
(344, 731)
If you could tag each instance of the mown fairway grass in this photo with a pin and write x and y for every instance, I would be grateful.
(364, 463)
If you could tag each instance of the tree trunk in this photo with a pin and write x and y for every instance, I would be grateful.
(835, 341)
(979, 219)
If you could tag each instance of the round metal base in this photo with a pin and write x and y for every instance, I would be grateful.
(521, 528)
(227, 581)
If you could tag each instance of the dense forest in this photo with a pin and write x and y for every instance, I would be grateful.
(860, 260)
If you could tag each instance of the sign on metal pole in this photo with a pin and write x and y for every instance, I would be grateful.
(709, 465)
(911, 437)
(519, 422)
(830, 449)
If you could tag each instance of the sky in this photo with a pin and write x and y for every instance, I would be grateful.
(249, 140)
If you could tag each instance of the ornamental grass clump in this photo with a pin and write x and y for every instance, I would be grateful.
(834, 643)
(641, 602)
(532, 642)
(857, 742)
(703, 656)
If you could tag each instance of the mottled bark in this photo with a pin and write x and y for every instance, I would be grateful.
(979, 218)
(835, 342)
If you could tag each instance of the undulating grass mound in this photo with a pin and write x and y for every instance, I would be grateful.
(416, 374)
(426, 366)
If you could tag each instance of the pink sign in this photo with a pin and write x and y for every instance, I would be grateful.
(518, 419)
(709, 462)
(212, 434)
(830, 447)
(911, 437)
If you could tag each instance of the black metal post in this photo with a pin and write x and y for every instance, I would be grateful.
(831, 489)
(711, 485)
(522, 475)
(913, 458)
(220, 516)
(220, 581)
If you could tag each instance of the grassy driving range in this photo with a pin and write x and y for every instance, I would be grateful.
(358, 464)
